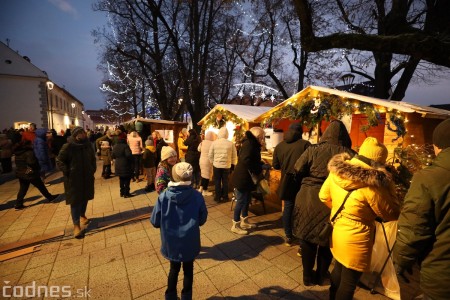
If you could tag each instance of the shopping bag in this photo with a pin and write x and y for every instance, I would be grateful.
(388, 284)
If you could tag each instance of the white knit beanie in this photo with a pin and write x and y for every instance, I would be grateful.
(182, 172)
(167, 152)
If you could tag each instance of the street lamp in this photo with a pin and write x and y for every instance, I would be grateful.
(50, 86)
(74, 115)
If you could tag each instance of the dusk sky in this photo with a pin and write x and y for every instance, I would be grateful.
(56, 36)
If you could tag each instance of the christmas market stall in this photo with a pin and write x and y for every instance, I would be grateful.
(237, 119)
(405, 128)
(169, 130)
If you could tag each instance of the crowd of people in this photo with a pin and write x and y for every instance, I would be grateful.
(352, 190)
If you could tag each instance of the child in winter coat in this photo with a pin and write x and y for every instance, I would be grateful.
(164, 171)
(105, 151)
(180, 211)
(149, 163)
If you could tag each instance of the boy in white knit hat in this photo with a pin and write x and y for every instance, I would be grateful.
(179, 212)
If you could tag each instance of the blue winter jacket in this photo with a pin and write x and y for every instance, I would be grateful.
(179, 212)
(42, 151)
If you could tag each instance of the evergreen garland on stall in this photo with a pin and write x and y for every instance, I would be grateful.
(311, 110)
(399, 122)
(226, 116)
(407, 161)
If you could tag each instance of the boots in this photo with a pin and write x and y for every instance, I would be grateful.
(77, 232)
(237, 229)
(245, 224)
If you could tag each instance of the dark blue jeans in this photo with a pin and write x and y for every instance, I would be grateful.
(188, 272)
(287, 217)
(343, 282)
(78, 210)
(221, 183)
(243, 198)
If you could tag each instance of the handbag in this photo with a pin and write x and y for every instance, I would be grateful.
(263, 187)
(256, 178)
(289, 186)
(327, 229)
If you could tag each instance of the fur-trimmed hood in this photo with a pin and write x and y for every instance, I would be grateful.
(352, 173)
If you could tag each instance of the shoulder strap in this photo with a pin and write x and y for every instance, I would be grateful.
(342, 205)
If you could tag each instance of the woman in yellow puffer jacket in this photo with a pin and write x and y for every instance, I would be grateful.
(373, 196)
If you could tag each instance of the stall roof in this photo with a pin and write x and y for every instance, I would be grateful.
(246, 112)
(145, 120)
(402, 106)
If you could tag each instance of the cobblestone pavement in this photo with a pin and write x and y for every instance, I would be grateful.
(124, 262)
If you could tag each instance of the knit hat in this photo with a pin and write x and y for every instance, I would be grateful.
(167, 152)
(182, 172)
(148, 143)
(373, 150)
(77, 130)
(441, 135)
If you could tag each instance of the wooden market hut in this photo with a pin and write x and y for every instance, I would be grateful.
(170, 129)
(242, 117)
(393, 123)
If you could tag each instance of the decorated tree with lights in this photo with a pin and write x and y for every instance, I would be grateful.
(177, 47)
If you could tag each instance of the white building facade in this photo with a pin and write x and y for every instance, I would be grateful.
(28, 96)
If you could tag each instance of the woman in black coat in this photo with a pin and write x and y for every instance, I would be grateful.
(249, 161)
(123, 157)
(193, 156)
(285, 155)
(28, 172)
(77, 162)
(310, 214)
